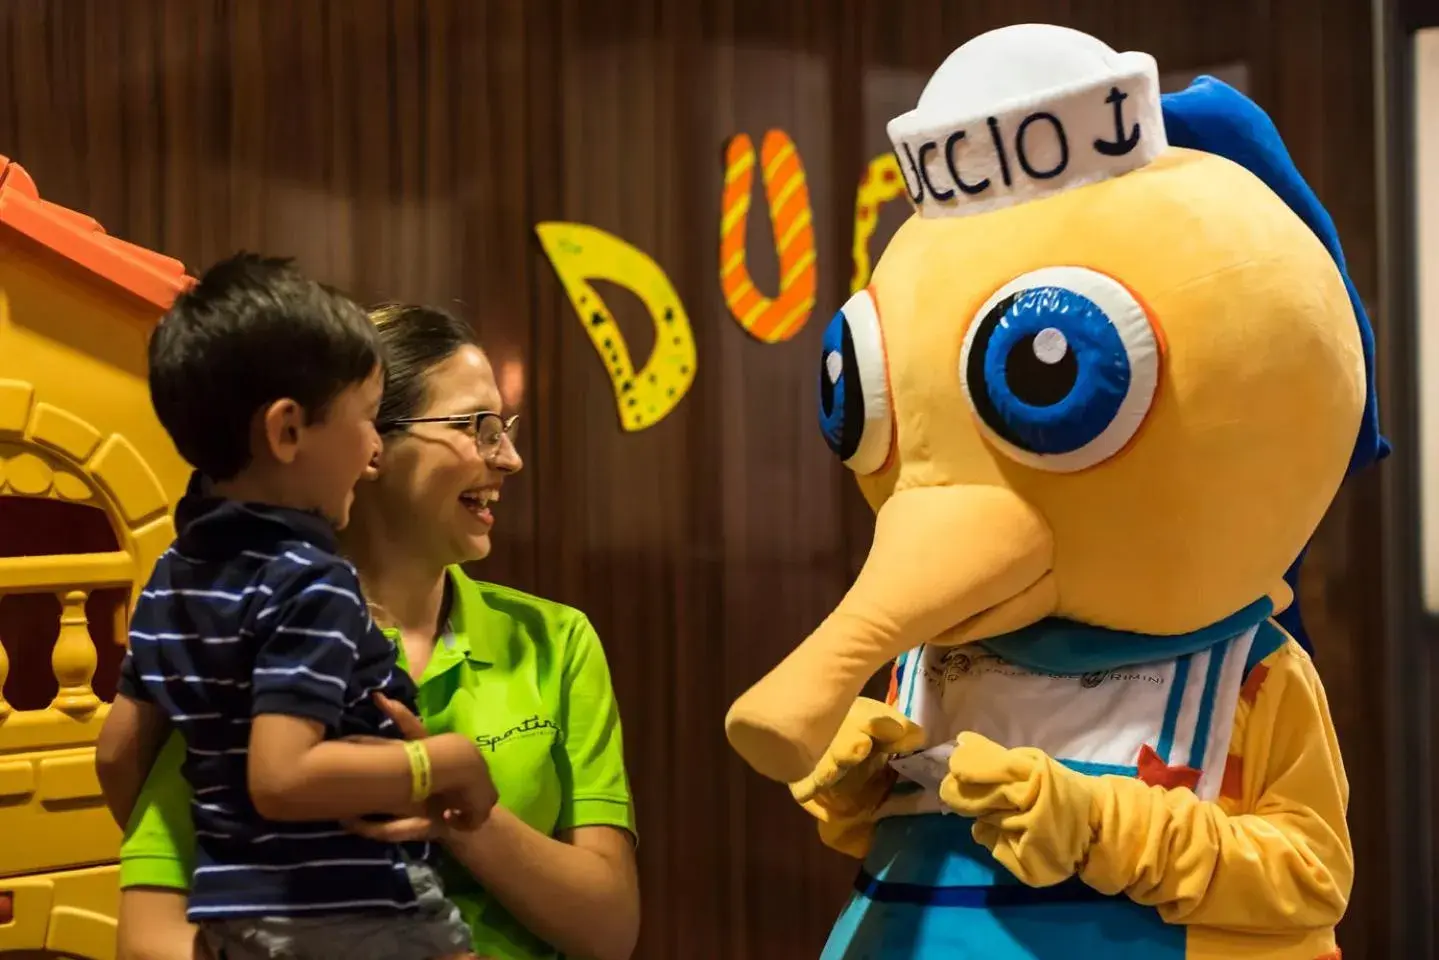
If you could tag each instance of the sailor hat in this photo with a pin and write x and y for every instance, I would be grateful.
(1023, 112)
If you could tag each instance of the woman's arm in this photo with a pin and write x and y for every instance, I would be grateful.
(125, 751)
(579, 893)
(579, 890)
(153, 927)
(156, 858)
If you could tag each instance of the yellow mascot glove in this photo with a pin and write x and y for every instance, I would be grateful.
(1278, 860)
(853, 777)
(1030, 811)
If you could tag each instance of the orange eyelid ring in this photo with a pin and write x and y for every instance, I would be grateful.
(1159, 339)
(889, 458)
(876, 447)
(890, 454)
(1160, 343)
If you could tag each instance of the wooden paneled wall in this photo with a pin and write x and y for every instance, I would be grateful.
(406, 149)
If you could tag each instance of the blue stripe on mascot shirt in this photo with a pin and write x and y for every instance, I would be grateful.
(929, 890)
(1214, 117)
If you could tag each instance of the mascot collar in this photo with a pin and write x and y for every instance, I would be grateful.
(1055, 645)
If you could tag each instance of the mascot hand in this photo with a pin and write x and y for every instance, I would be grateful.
(853, 777)
(1030, 811)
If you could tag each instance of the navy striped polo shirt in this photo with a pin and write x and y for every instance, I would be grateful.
(252, 611)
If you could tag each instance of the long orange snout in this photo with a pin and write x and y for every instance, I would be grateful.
(948, 564)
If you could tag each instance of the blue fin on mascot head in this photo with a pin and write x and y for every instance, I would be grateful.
(1212, 116)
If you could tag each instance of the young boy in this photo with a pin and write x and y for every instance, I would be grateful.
(252, 639)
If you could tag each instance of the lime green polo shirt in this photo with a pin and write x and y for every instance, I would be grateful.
(527, 679)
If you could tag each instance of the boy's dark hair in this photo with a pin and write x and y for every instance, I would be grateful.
(253, 330)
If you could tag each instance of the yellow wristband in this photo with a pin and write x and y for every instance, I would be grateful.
(421, 781)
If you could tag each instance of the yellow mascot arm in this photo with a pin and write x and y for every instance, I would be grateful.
(1280, 861)
(853, 777)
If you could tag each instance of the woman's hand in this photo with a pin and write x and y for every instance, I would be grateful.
(430, 824)
(461, 810)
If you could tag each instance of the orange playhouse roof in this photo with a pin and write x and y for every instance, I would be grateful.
(151, 276)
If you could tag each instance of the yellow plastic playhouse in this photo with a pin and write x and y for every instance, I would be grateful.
(88, 483)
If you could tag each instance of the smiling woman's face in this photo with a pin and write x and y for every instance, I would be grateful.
(434, 489)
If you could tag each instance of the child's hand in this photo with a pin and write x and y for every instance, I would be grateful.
(462, 810)
(411, 727)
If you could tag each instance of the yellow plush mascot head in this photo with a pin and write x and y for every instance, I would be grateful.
(1101, 390)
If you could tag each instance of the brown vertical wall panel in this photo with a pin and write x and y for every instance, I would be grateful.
(405, 150)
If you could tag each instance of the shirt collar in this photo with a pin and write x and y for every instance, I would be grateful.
(458, 643)
(1062, 646)
(464, 621)
(210, 524)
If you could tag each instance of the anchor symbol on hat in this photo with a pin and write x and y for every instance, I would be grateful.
(1123, 143)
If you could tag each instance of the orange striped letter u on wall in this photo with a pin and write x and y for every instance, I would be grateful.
(770, 320)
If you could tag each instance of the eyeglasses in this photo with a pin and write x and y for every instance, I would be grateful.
(489, 429)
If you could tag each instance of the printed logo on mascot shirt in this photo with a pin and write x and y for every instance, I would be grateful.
(956, 664)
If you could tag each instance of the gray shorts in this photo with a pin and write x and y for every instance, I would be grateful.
(432, 931)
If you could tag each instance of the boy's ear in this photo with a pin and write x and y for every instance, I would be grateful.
(279, 427)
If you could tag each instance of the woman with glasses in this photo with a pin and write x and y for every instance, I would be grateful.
(552, 871)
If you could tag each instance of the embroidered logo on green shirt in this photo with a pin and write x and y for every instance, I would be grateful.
(531, 726)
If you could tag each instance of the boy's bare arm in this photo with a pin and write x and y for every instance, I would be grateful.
(295, 774)
(313, 633)
(126, 749)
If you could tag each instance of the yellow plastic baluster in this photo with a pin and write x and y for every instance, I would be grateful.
(5, 708)
(73, 658)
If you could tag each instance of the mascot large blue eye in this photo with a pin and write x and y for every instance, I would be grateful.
(854, 403)
(1060, 365)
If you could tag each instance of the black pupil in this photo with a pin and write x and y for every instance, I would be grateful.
(1035, 382)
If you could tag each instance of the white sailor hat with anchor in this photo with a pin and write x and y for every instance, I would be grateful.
(1025, 111)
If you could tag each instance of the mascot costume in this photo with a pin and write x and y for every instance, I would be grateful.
(1104, 385)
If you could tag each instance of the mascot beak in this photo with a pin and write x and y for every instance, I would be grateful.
(949, 565)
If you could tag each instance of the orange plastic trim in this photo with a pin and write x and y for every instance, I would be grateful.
(151, 276)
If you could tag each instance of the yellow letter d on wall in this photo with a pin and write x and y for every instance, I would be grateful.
(581, 253)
